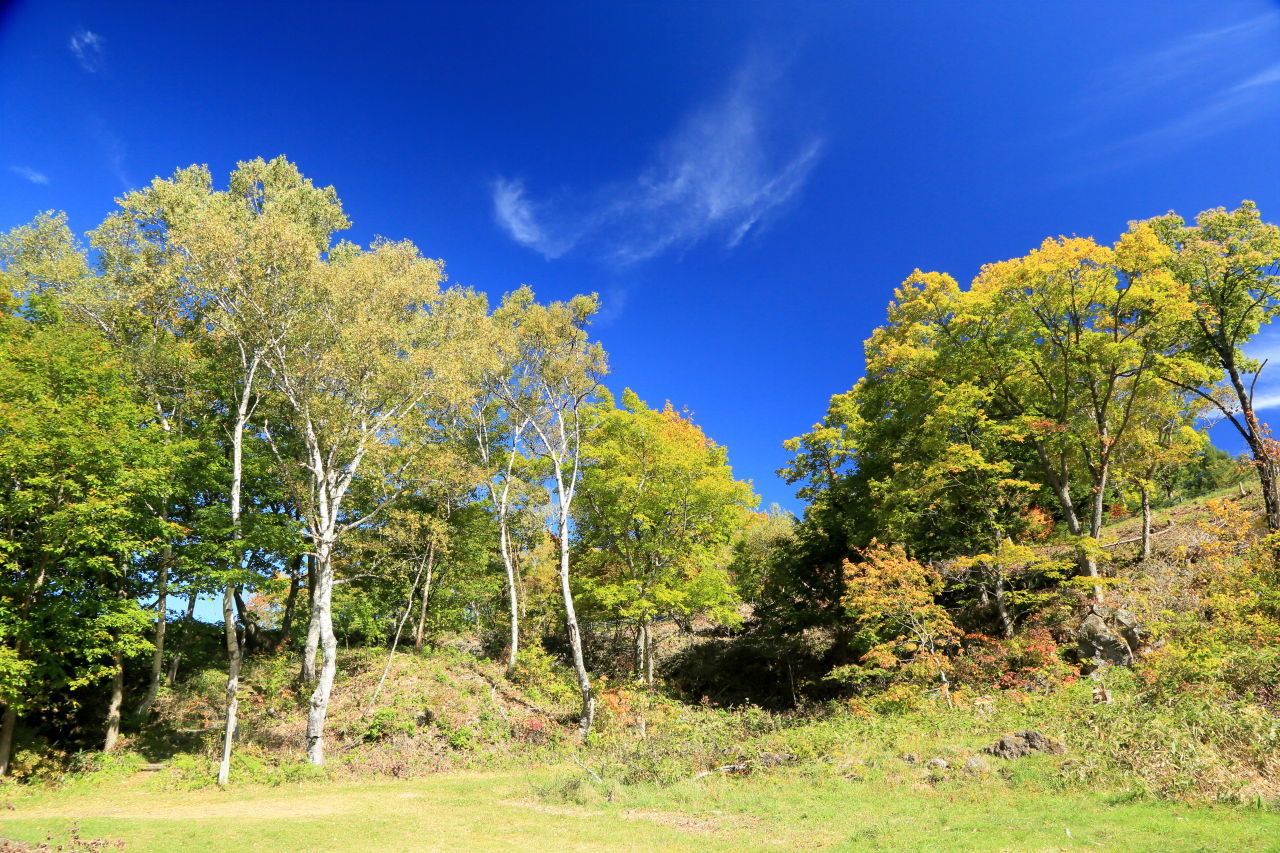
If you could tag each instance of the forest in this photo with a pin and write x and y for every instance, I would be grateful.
(211, 400)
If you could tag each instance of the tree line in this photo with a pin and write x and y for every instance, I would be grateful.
(1059, 388)
(217, 396)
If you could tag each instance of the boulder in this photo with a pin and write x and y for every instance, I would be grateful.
(1042, 743)
(1127, 626)
(1099, 644)
(937, 764)
(1009, 747)
(1019, 744)
(977, 765)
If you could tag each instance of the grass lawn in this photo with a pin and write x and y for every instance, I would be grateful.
(513, 811)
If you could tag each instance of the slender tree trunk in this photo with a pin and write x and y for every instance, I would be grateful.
(1002, 606)
(11, 710)
(639, 650)
(512, 595)
(1146, 522)
(230, 595)
(420, 631)
(588, 713)
(290, 604)
(319, 706)
(7, 725)
(176, 657)
(1255, 437)
(313, 627)
(395, 639)
(1095, 525)
(117, 700)
(1062, 491)
(162, 618)
(249, 620)
(648, 654)
(1267, 481)
(234, 657)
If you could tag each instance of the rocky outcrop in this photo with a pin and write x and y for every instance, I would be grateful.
(1109, 636)
(1020, 744)
(1098, 644)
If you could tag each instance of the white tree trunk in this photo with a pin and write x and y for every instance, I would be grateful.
(313, 627)
(419, 633)
(1146, 523)
(323, 617)
(513, 596)
(235, 648)
(588, 713)
(234, 660)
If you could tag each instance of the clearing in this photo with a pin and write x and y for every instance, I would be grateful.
(550, 809)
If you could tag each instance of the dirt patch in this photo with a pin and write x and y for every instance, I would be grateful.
(548, 808)
(701, 824)
(202, 808)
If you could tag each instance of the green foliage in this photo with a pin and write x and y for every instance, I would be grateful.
(542, 676)
(386, 722)
(655, 519)
(79, 470)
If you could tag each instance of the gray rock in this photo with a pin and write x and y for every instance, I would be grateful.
(1042, 743)
(977, 765)
(937, 764)
(1009, 747)
(773, 759)
(1096, 642)
(1127, 626)
(1019, 744)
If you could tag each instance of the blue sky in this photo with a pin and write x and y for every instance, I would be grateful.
(743, 183)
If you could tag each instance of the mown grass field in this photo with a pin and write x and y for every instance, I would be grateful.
(546, 809)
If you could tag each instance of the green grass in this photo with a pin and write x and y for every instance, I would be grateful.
(560, 809)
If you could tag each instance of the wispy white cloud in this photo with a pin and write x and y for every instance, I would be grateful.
(30, 174)
(1205, 83)
(516, 213)
(717, 176)
(87, 47)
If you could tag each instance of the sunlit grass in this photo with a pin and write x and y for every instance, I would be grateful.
(562, 809)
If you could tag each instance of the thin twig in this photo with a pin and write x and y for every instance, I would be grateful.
(591, 772)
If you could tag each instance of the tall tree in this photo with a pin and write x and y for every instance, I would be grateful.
(1229, 261)
(379, 341)
(494, 429)
(555, 393)
(242, 256)
(655, 522)
(129, 301)
(77, 470)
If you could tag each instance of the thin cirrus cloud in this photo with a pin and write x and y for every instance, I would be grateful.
(30, 174)
(87, 47)
(715, 177)
(1205, 83)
